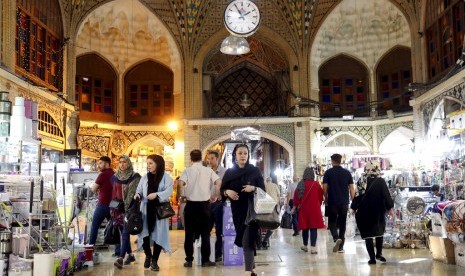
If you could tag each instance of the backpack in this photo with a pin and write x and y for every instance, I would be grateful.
(133, 219)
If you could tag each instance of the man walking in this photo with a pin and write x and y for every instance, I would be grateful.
(273, 190)
(198, 181)
(216, 205)
(290, 203)
(337, 183)
(104, 189)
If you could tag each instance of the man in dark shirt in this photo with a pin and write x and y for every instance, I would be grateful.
(337, 183)
(104, 188)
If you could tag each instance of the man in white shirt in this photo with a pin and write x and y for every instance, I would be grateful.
(216, 204)
(290, 199)
(198, 181)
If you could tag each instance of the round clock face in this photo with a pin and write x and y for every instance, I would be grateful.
(242, 17)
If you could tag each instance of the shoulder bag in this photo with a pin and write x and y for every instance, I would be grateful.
(164, 210)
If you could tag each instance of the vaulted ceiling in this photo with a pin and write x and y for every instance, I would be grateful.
(193, 22)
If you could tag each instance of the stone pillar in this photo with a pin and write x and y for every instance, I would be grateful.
(418, 127)
(69, 71)
(120, 108)
(302, 150)
(71, 129)
(191, 141)
(373, 96)
(8, 29)
(375, 139)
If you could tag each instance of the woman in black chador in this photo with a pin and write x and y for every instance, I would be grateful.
(371, 204)
(239, 184)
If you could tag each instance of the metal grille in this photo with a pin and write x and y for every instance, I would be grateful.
(261, 92)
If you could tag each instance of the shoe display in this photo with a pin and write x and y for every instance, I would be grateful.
(337, 245)
(147, 262)
(304, 248)
(188, 264)
(208, 264)
(119, 263)
(381, 259)
(129, 259)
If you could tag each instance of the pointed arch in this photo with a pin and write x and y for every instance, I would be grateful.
(144, 141)
(48, 125)
(348, 133)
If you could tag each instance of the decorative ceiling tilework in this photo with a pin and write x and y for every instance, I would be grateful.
(384, 130)
(457, 92)
(193, 22)
(133, 136)
(366, 132)
(332, 132)
(209, 134)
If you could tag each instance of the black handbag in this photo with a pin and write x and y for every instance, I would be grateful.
(268, 221)
(164, 210)
(286, 221)
(111, 234)
(133, 222)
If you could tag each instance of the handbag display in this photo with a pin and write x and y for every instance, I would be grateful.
(269, 221)
(164, 210)
(133, 219)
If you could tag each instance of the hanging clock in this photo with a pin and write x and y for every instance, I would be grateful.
(241, 18)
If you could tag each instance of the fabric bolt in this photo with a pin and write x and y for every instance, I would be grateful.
(160, 233)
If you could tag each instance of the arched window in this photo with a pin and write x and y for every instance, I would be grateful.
(444, 25)
(394, 74)
(39, 42)
(95, 88)
(149, 93)
(49, 126)
(343, 87)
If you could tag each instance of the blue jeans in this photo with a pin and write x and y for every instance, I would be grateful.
(217, 220)
(101, 213)
(313, 236)
(294, 216)
(125, 242)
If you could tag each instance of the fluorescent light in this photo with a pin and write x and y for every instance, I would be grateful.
(414, 260)
(347, 117)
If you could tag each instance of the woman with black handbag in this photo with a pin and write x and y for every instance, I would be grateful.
(370, 205)
(125, 182)
(239, 184)
(154, 189)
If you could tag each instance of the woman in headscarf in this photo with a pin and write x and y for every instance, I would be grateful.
(125, 182)
(239, 184)
(308, 198)
(154, 187)
(372, 202)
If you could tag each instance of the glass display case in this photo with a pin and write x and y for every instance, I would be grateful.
(19, 157)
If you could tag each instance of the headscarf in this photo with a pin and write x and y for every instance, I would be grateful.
(153, 182)
(309, 174)
(372, 170)
(123, 175)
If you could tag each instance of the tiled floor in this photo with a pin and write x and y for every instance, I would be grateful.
(285, 258)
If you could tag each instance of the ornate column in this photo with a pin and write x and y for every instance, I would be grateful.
(69, 70)
(120, 106)
(8, 33)
(302, 150)
(373, 96)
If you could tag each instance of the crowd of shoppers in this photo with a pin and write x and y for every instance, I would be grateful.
(203, 188)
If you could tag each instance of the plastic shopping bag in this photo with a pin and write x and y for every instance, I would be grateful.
(263, 202)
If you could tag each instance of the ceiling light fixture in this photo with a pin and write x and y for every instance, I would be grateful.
(245, 102)
(234, 45)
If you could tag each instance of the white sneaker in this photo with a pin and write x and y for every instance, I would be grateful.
(313, 250)
(304, 248)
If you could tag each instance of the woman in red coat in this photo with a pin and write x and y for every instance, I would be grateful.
(307, 199)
